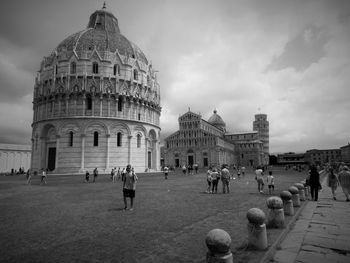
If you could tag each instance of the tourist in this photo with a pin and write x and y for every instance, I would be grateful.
(87, 176)
(314, 182)
(270, 183)
(344, 180)
(129, 186)
(225, 179)
(112, 173)
(29, 176)
(95, 174)
(332, 181)
(243, 170)
(209, 180)
(118, 173)
(184, 169)
(239, 172)
(43, 176)
(196, 167)
(215, 180)
(260, 179)
(166, 171)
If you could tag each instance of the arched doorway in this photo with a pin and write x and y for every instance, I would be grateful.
(190, 157)
(48, 148)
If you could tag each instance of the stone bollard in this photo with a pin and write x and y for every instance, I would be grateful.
(295, 196)
(288, 208)
(306, 189)
(257, 237)
(218, 242)
(275, 214)
(301, 191)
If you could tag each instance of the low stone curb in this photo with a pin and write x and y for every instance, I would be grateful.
(271, 251)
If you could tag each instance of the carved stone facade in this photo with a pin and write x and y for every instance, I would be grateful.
(96, 103)
(208, 143)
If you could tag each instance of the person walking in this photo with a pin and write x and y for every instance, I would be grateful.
(184, 169)
(332, 181)
(344, 180)
(209, 180)
(166, 171)
(87, 176)
(225, 179)
(129, 186)
(314, 182)
(95, 174)
(43, 176)
(214, 183)
(243, 170)
(270, 183)
(29, 176)
(260, 179)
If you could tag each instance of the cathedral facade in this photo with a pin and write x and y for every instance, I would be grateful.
(208, 143)
(96, 103)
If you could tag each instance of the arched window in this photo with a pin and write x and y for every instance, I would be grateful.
(119, 139)
(136, 74)
(95, 68)
(56, 69)
(120, 104)
(70, 138)
(116, 70)
(95, 138)
(139, 116)
(73, 68)
(89, 103)
(138, 140)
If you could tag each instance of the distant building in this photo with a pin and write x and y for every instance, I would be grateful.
(208, 143)
(345, 153)
(13, 157)
(291, 158)
(323, 156)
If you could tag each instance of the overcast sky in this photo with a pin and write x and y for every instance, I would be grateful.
(287, 59)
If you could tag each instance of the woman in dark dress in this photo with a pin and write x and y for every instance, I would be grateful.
(314, 182)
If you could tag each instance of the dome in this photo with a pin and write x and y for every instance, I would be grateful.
(217, 121)
(102, 34)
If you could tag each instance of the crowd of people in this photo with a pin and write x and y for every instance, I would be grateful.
(338, 175)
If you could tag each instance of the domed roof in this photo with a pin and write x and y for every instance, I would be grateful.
(103, 34)
(217, 121)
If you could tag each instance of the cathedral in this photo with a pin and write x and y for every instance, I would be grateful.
(96, 103)
(208, 143)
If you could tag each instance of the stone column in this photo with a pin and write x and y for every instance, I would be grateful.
(82, 152)
(101, 105)
(108, 136)
(129, 149)
(57, 151)
(84, 99)
(146, 153)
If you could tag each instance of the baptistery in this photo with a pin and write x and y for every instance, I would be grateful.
(96, 103)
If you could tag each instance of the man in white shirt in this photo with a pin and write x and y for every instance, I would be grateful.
(129, 186)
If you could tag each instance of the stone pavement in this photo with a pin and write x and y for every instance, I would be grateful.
(321, 233)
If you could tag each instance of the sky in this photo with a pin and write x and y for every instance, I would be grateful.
(287, 59)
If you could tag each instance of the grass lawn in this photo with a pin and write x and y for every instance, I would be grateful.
(68, 220)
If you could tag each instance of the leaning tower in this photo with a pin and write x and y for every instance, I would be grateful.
(96, 103)
(261, 125)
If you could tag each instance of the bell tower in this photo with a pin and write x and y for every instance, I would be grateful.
(261, 125)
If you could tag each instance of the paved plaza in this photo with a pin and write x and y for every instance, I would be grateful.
(321, 234)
